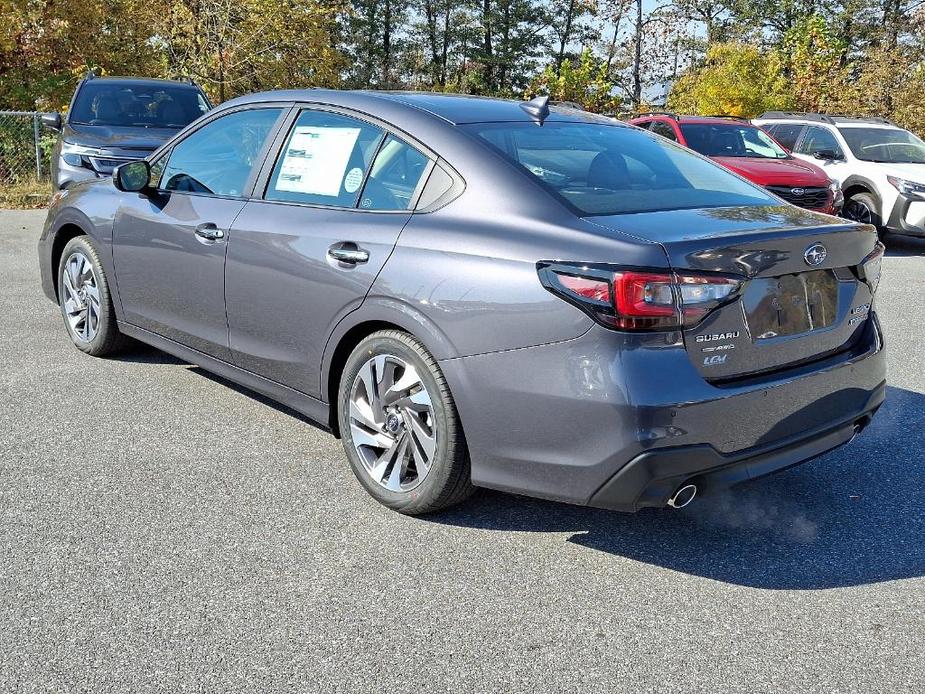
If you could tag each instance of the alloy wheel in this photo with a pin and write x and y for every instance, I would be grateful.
(81, 294)
(857, 211)
(392, 423)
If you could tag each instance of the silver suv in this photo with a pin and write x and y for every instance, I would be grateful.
(880, 166)
(113, 120)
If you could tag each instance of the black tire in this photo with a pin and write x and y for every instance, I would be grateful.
(447, 480)
(106, 339)
(870, 203)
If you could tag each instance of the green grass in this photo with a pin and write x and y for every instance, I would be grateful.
(24, 194)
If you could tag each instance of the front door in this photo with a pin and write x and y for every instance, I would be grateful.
(336, 200)
(169, 243)
(815, 139)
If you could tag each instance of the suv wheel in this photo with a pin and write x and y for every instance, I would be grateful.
(861, 207)
(400, 427)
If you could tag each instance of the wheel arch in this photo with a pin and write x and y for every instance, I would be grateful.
(376, 314)
(64, 233)
(855, 184)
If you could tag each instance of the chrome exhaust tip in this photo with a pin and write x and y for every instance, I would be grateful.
(683, 496)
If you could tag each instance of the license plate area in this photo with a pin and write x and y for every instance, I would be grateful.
(791, 304)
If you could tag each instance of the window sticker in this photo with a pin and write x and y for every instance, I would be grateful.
(353, 179)
(313, 155)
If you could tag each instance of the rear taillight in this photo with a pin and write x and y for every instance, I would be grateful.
(871, 267)
(638, 299)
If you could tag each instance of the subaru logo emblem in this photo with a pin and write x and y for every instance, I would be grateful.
(798, 192)
(815, 254)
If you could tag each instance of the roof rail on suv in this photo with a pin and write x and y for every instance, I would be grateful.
(657, 113)
(797, 114)
(830, 118)
(726, 115)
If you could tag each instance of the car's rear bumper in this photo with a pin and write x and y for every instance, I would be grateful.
(651, 478)
(614, 420)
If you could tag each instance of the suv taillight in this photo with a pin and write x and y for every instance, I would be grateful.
(637, 298)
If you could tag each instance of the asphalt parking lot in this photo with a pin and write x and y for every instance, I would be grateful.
(161, 530)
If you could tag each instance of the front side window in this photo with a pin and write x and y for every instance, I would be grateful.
(610, 169)
(889, 145)
(217, 159)
(817, 139)
(722, 140)
(118, 104)
(325, 160)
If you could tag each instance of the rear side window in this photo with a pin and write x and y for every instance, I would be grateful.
(785, 133)
(601, 169)
(661, 128)
(217, 159)
(325, 160)
(394, 177)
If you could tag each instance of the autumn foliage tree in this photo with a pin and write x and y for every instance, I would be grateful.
(736, 80)
(583, 81)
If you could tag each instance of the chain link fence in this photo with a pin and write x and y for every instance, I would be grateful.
(25, 147)
(25, 159)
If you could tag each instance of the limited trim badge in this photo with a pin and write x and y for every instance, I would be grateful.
(815, 254)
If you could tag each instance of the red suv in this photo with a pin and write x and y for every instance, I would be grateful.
(750, 152)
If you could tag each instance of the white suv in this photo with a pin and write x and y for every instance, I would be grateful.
(880, 166)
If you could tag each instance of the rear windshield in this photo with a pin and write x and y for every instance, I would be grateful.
(716, 140)
(137, 105)
(604, 170)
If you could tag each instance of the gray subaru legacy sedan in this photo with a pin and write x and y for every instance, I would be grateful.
(475, 292)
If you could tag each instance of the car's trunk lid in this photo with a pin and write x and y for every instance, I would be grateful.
(805, 294)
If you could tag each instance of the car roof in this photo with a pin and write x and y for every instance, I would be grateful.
(118, 80)
(456, 109)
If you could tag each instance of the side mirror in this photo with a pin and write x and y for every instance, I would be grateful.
(825, 155)
(52, 121)
(132, 177)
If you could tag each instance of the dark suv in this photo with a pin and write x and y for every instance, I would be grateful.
(113, 120)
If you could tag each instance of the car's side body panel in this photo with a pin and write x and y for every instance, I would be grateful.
(285, 293)
(171, 280)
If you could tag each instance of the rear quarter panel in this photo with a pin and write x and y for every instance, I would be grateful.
(469, 270)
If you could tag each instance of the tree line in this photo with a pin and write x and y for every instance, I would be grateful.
(734, 57)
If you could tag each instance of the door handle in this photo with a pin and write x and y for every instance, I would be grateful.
(348, 252)
(209, 232)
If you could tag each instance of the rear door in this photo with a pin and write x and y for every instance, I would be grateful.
(787, 134)
(169, 243)
(334, 200)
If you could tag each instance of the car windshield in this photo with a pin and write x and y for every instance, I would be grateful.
(729, 140)
(612, 169)
(137, 105)
(888, 145)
